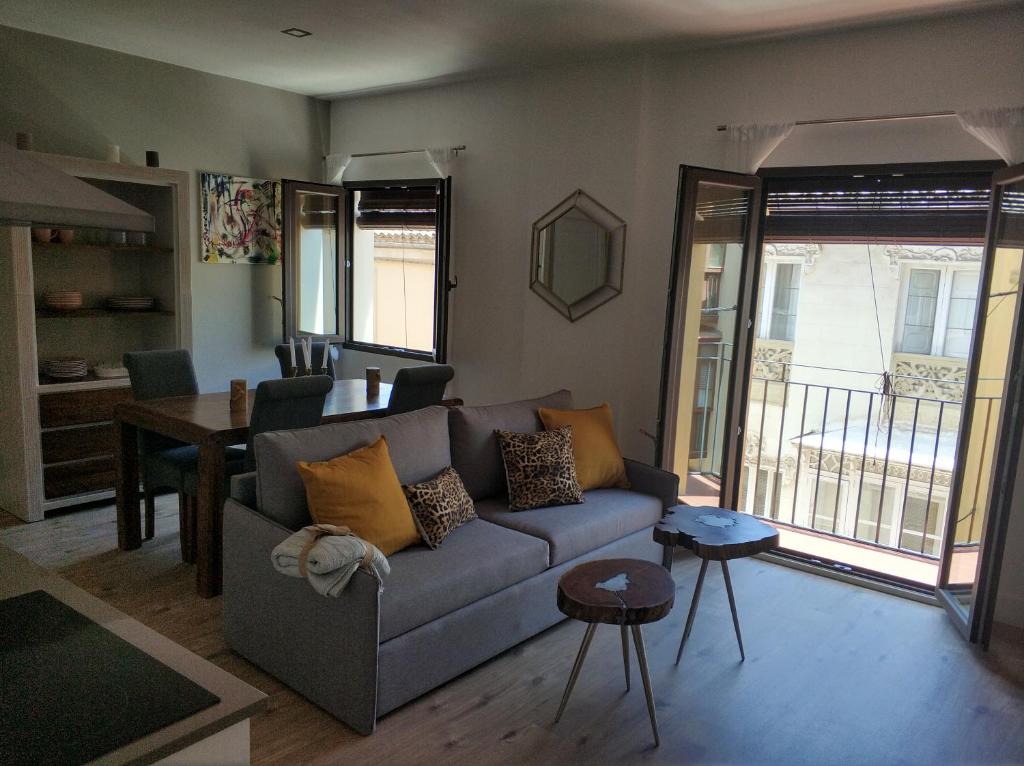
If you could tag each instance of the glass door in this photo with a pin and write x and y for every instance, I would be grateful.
(708, 330)
(991, 428)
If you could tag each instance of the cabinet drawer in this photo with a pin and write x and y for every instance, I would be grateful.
(78, 443)
(76, 478)
(71, 408)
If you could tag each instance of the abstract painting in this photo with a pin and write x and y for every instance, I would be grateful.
(241, 219)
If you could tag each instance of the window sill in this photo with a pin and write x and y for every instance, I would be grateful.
(404, 353)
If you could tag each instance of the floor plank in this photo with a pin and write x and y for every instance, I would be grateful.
(834, 674)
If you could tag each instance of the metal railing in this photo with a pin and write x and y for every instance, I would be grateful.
(873, 467)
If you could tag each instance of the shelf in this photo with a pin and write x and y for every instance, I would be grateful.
(90, 381)
(92, 313)
(90, 247)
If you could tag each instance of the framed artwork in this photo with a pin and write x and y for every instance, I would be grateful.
(241, 219)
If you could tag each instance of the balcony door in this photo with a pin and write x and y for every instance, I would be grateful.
(993, 422)
(708, 331)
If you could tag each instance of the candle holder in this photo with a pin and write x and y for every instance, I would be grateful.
(300, 372)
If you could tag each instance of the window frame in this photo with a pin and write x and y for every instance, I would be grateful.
(771, 264)
(942, 304)
(290, 282)
(442, 283)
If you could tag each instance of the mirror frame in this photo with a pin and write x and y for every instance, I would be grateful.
(613, 226)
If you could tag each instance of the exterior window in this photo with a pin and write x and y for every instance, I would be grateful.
(762, 491)
(397, 268)
(917, 511)
(782, 291)
(938, 311)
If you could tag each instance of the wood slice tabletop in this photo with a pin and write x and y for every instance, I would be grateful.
(616, 592)
(716, 534)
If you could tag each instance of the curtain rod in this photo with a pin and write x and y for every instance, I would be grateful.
(877, 118)
(455, 149)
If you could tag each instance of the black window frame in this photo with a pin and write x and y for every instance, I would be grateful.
(442, 283)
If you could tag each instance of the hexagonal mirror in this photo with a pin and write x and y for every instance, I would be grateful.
(578, 251)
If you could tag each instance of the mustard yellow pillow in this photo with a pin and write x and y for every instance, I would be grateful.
(360, 490)
(598, 460)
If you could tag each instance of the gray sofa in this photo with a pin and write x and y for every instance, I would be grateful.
(441, 612)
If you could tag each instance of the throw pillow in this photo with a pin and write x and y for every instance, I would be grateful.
(598, 460)
(539, 468)
(360, 490)
(439, 506)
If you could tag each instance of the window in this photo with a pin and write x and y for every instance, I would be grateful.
(781, 295)
(763, 498)
(937, 317)
(397, 269)
(367, 265)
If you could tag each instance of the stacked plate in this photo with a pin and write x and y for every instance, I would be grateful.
(63, 300)
(65, 367)
(110, 371)
(130, 302)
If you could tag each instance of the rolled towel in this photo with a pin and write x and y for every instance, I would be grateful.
(328, 556)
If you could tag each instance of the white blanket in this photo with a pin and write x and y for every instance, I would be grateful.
(328, 556)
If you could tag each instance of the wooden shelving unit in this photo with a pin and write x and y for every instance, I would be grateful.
(65, 426)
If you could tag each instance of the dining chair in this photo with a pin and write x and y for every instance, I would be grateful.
(283, 353)
(285, 405)
(418, 387)
(166, 462)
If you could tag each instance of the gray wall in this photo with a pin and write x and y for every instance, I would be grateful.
(76, 99)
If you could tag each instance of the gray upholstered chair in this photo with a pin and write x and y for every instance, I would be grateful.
(165, 462)
(283, 353)
(284, 405)
(418, 387)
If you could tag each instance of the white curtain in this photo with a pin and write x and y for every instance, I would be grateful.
(1001, 129)
(750, 145)
(334, 167)
(441, 160)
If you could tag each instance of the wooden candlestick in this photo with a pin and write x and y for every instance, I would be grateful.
(239, 399)
(373, 381)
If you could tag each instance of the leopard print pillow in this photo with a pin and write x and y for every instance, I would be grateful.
(439, 506)
(539, 468)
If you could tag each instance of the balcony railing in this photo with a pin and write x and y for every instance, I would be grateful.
(873, 467)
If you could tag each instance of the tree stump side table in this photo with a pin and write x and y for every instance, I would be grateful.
(713, 534)
(623, 592)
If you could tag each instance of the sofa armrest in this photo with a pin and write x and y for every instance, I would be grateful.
(243, 488)
(649, 480)
(324, 648)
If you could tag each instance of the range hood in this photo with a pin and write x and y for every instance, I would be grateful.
(34, 194)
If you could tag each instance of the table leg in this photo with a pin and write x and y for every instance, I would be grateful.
(641, 654)
(625, 653)
(693, 608)
(126, 485)
(580, 656)
(732, 607)
(667, 552)
(209, 527)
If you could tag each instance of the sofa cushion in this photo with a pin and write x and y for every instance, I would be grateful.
(539, 469)
(572, 530)
(475, 451)
(476, 560)
(417, 443)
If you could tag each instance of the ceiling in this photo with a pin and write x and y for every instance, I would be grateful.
(359, 46)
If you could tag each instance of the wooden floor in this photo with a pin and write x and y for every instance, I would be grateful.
(834, 674)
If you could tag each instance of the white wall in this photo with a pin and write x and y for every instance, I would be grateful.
(76, 99)
(619, 130)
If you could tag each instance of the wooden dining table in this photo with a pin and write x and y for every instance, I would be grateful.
(207, 421)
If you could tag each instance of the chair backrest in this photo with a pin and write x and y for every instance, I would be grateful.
(284, 405)
(154, 375)
(284, 358)
(418, 387)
